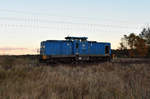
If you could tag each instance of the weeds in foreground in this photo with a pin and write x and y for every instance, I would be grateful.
(101, 81)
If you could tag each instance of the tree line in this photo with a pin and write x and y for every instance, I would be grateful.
(135, 45)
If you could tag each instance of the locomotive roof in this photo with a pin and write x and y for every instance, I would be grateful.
(83, 38)
(72, 38)
(71, 41)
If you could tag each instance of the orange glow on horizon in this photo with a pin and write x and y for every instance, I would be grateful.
(17, 51)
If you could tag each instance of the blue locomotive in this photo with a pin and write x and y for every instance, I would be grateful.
(74, 49)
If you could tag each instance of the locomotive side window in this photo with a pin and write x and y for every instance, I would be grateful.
(107, 48)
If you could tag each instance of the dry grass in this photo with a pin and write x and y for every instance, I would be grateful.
(21, 78)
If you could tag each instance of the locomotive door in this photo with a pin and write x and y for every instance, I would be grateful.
(84, 48)
(80, 48)
(76, 45)
(77, 48)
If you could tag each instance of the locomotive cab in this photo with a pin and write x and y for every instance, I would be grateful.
(80, 45)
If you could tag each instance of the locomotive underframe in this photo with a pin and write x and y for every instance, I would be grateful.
(74, 58)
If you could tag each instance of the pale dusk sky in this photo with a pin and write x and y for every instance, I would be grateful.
(25, 23)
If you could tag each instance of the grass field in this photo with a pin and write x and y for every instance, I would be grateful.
(25, 78)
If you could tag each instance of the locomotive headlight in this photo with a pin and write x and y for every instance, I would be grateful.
(44, 57)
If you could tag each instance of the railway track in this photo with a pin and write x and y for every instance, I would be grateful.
(131, 61)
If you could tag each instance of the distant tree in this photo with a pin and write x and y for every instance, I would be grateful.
(141, 47)
(123, 49)
(145, 34)
(135, 44)
(123, 44)
(131, 39)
